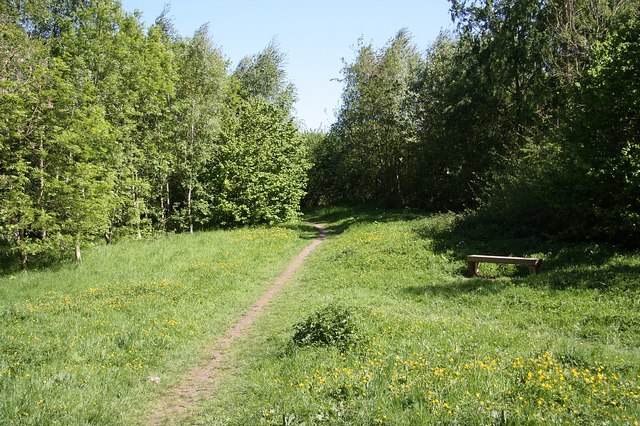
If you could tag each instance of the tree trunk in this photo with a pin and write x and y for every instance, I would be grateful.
(43, 231)
(136, 207)
(399, 189)
(189, 218)
(78, 253)
(190, 157)
(163, 213)
(108, 236)
(168, 202)
(24, 259)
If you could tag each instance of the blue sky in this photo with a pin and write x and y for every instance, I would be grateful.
(315, 35)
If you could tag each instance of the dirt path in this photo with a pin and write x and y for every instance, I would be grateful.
(201, 381)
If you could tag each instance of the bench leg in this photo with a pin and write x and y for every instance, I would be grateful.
(535, 269)
(472, 268)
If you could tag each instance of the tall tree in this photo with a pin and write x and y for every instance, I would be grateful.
(25, 111)
(603, 139)
(501, 96)
(263, 75)
(202, 72)
(81, 177)
(260, 166)
(59, 152)
(375, 132)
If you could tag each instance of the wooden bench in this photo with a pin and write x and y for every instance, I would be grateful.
(474, 261)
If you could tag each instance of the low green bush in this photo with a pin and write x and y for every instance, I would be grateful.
(330, 326)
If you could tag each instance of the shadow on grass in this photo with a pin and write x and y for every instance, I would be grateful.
(10, 265)
(306, 230)
(565, 265)
(605, 277)
(454, 289)
(338, 219)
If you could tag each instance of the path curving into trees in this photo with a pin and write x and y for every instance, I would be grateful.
(202, 380)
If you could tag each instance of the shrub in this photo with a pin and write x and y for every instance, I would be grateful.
(330, 326)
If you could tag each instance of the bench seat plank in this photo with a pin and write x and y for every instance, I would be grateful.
(474, 260)
(503, 259)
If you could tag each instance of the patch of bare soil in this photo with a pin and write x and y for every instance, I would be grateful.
(202, 380)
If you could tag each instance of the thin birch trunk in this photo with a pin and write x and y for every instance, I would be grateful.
(189, 208)
(77, 252)
(43, 232)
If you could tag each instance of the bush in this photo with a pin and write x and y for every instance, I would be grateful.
(330, 326)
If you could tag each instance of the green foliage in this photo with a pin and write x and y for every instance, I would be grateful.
(260, 170)
(263, 76)
(528, 111)
(605, 130)
(23, 109)
(329, 326)
(580, 182)
(112, 129)
(368, 154)
(497, 95)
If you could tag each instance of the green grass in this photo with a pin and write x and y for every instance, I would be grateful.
(78, 342)
(434, 347)
(427, 345)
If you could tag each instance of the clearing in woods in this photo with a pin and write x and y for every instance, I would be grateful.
(428, 344)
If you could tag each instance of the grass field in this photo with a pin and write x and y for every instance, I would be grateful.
(428, 346)
(434, 347)
(77, 343)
